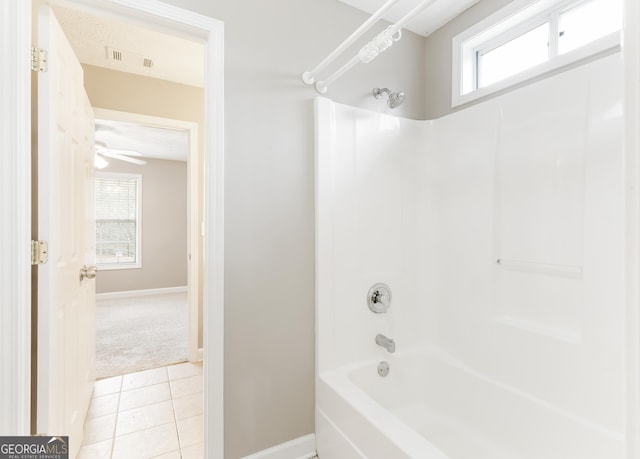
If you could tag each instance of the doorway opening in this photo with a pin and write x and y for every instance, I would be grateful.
(184, 23)
(148, 254)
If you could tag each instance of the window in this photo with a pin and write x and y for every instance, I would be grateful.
(587, 22)
(528, 39)
(514, 56)
(118, 220)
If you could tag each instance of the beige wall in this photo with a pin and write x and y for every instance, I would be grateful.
(164, 229)
(438, 52)
(148, 96)
(269, 199)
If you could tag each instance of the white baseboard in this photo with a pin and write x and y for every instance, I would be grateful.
(200, 354)
(300, 448)
(134, 293)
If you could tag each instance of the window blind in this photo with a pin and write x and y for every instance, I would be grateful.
(116, 220)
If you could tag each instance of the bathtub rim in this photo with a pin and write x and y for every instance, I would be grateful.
(402, 436)
(405, 437)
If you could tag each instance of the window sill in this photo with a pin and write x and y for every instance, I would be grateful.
(119, 267)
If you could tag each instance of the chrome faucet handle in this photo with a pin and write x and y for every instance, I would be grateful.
(379, 298)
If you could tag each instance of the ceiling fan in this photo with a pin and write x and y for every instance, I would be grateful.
(123, 155)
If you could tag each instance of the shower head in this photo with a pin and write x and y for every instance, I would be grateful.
(395, 98)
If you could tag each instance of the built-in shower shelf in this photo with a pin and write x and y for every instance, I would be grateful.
(542, 268)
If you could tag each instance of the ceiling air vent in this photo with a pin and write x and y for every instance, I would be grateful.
(114, 54)
(128, 59)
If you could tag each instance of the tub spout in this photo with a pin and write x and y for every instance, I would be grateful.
(387, 343)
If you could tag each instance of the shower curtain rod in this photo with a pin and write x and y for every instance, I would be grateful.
(368, 52)
(309, 77)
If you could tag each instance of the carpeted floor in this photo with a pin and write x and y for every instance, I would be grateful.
(138, 333)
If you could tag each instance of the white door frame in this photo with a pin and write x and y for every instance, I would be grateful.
(15, 218)
(631, 53)
(15, 201)
(193, 199)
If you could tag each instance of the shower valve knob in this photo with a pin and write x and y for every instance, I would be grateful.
(379, 298)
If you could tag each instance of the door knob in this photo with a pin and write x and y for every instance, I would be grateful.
(88, 272)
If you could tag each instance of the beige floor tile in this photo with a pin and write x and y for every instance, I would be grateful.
(148, 395)
(186, 386)
(147, 443)
(100, 450)
(184, 370)
(107, 386)
(186, 407)
(99, 429)
(103, 405)
(144, 378)
(190, 431)
(171, 455)
(144, 417)
(193, 452)
(134, 416)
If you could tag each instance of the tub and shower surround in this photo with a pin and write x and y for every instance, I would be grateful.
(500, 231)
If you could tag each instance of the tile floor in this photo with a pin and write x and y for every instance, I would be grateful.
(154, 413)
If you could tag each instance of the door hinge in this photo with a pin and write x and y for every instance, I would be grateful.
(39, 59)
(39, 252)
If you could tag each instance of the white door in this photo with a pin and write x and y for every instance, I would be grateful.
(66, 302)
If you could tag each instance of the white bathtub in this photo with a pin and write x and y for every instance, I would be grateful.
(432, 407)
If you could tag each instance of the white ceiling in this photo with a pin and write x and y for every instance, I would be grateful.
(149, 141)
(434, 16)
(92, 39)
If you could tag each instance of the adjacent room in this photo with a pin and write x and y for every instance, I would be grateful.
(141, 247)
